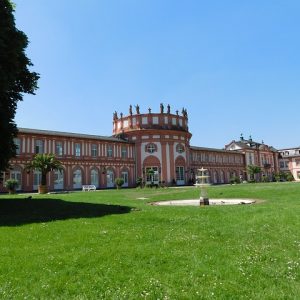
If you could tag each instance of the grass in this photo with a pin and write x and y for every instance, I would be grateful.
(110, 245)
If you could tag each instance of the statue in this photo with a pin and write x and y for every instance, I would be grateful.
(161, 108)
(121, 115)
(130, 109)
(115, 115)
(137, 108)
(177, 112)
(168, 109)
(149, 109)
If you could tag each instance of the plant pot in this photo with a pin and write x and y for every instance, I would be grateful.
(43, 189)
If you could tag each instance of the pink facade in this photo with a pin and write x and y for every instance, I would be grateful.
(159, 142)
(289, 161)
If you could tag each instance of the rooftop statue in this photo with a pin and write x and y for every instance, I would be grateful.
(130, 109)
(161, 108)
(137, 108)
(168, 108)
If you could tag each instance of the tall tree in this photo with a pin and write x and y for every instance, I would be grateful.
(15, 79)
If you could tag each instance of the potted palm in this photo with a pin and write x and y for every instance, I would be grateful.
(44, 163)
(11, 185)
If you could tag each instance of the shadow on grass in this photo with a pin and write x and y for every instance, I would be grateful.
(14, 212)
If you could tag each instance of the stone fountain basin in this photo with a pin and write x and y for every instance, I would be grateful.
(196, 202)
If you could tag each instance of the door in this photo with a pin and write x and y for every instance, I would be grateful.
(180, 176)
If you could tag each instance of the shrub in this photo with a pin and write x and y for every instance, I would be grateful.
(234, 179)
(11, 185)
(139, 182)
(119, 182)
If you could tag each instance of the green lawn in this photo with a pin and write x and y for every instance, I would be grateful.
(110, 245)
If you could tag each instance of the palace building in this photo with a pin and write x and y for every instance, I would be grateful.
(156, 141)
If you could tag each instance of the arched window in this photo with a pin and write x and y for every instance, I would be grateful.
(124, 175)
(59, 180)
(16, 174)
(37, 176)
(110, 178)
(95, 178)
(77, 179)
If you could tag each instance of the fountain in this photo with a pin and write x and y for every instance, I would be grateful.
(202, 182)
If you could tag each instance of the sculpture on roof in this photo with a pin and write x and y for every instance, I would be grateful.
(149, 110)
(168, 108)
(115, 115)
(161, 108)
(137, 108)
(130, 109)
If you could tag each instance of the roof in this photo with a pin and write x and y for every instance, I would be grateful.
(214, 149)
(72, 135)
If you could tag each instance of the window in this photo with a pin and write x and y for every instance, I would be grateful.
(17, 175)
(152, 175)
(144, 120)
(110, 179)
(95, 177)
(39, 146)
(298, 162)
(180, 148)
(94, 150)
(59, 148)
(151, 148)
(77, 179)
(58, 180)
(124, 175)
(173, 121)
(77, 149)
(155, 120)
(37, 176)
(109, 151)
(124, 152)
(179, 173)
(281, 164)
(18, 145)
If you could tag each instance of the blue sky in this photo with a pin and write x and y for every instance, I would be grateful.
(234, 65)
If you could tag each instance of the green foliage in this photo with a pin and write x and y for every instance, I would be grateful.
(15, 79)
(235, 180)
(119, 182)
(109, 245)
(44, 163)
(290, 177)
(253, 170)
(11, 185)
(139, 182)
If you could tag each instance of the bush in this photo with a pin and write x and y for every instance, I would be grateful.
(139, 182)
(119, 182)
(234, 179)
(11, 185)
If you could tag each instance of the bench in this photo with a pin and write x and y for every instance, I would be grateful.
(88, 187)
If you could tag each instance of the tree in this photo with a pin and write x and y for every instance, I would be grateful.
(252, 170)
(44, 163)
(15, 79)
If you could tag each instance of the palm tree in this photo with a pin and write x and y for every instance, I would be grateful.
(44, 163)
(252, 170)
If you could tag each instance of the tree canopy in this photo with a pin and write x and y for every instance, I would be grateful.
(15, 79)
(44, 163)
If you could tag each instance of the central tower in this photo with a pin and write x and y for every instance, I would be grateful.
(161, 143)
